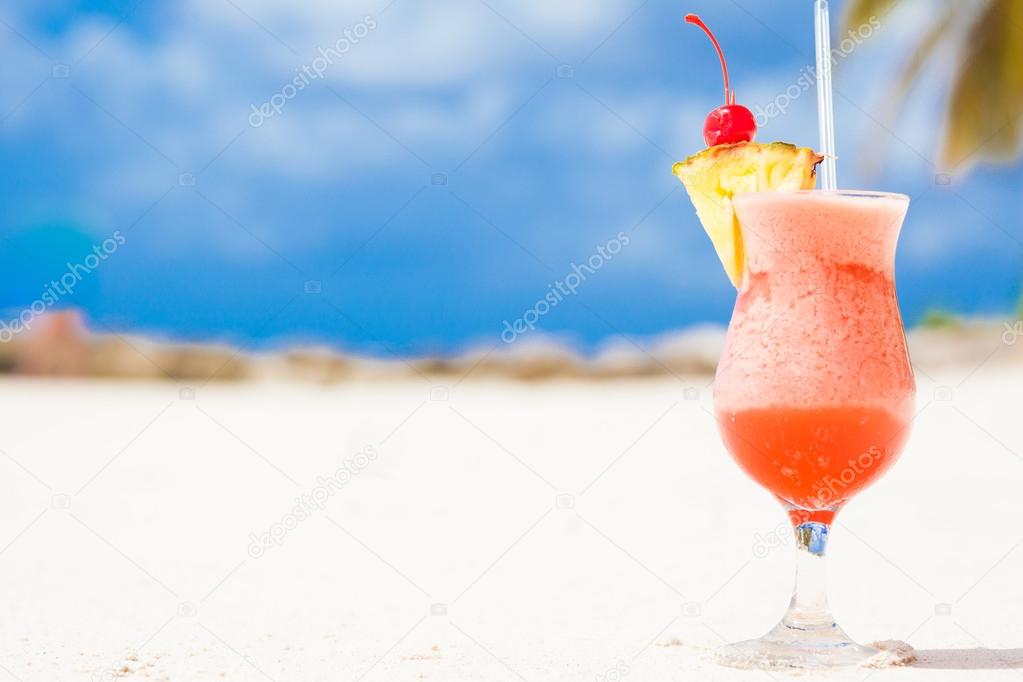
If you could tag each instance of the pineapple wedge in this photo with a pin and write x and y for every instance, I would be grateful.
(717, 174)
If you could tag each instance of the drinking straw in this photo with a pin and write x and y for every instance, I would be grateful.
(825, 105)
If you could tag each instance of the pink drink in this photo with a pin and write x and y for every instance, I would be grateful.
(814, 392)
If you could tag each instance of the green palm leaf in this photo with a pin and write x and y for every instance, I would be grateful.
(939, 34)
(983, 121)
(859, 12)
(986, 104)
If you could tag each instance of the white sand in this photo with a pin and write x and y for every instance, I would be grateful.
(447, 558)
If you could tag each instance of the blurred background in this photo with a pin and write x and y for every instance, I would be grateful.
(322, 242)
(405, 180)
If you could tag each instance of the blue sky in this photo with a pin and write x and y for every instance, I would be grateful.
(455, 160)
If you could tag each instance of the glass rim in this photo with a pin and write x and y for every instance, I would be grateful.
(846, 193)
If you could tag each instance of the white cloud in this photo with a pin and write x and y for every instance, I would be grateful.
(188, 88)
(440, 76)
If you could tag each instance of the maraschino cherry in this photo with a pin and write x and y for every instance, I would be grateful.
(732, 122)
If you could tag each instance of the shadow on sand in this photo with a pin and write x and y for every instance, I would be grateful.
(969, 659)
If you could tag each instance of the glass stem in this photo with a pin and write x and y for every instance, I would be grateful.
(808, 609)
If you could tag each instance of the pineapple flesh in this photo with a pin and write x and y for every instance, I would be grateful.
(718, 173)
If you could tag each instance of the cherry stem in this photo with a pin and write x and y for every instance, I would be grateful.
(697, 21)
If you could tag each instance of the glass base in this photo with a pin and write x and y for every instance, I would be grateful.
(788, 647)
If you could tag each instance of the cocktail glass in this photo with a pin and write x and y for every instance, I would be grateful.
(814, 393)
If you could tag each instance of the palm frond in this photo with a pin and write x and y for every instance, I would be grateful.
(860, 12)
(985, 118)
(895, 100)
(934, 38)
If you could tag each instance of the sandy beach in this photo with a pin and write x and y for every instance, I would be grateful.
(482, 530)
